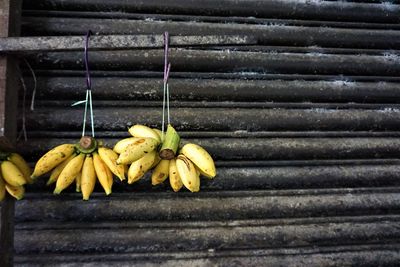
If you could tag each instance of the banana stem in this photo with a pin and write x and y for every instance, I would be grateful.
(170, 144)
(87, 145)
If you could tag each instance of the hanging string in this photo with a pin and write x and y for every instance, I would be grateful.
(88, 99)
(167, 67)
(23, 127)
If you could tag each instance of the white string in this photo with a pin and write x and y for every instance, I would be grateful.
(91, 111)
(163, 111)
(23, 128)
(85, 113)
(169, 122)
(34, 84)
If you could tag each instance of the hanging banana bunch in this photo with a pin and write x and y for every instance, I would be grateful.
(83, 163)
(14, 174)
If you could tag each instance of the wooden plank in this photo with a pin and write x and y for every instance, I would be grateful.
(9, 26)
(112, 42)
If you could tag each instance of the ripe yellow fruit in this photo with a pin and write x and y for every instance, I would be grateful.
(69, 173)
(52, 158)
(188, 174)
(57, 170)
(200, 157)
(88, 178)
(22, 165)
(11, 174)
(140, 167)
(103, 173)
(109, 157)
(16, 191)
(160, 173)
(174, 178)
(137, 150)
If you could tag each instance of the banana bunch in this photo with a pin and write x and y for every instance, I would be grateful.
(15, 172)
(140, 151)
(145, 151)
(82, 163)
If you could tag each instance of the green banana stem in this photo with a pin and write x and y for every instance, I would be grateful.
(87, 145)
(170, 144)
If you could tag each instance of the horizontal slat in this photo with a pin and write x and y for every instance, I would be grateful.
(362, 255)
(311, 10)
(219, 119)
(275, 34)
(261, 148)
(225, 61)
(124, 88)
(111, 42)
(209, 206)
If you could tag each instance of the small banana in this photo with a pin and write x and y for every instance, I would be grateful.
(22, 166)
(57, 170)
(11, 174)
(161, 172)
(174, 178)
(188, 174)
(156, 161)
(110, 157)
(16, 191)
(69, 173)
(52, 158)
(160, 134)
(140, 167)
(78, 182)
(103, 173)
(137, 150)
(88, 178)
(121, 145)
(139, 130)
(2, 189)
(111, 178)
(200, 157)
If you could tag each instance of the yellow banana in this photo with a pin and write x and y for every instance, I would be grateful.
(200, 157)
(174, 178)
(52, 158)
(78, 182)
(69, 173)
(103, 173)
(16, 191)
(156, 161)
(2, 189)
(109, 157)
(111, 177)
(160, 134)
(11, 174)
(137, 150)
(139, 130)
(121, 145)
(140, 167)
(161, 172)
(88, 178)
(22, 166)
(57, 170)
(188, 174)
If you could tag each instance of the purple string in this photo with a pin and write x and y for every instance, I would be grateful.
(166, 65)
(88, 80)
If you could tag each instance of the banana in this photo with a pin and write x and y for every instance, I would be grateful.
(137, 150)
(103, 173)
(78, 182)
(200, 157)
(156, 161)
(88, 178)
(52, 158)
(11, 174)
(109, 157)
(121, 145)
(188, 174)
(140, 167)
(160, 134)
(69, 173)
(174, 178)
(111, 178)
(22, 166)
(161, 172)
(139, 130)
(57, 170)
(16, 191)
(2, 189)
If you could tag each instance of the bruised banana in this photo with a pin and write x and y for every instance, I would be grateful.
(22, 166)
(103, 173)
(161, 172)
(88, 177)
(11, 174)
(140, 167)
(121, 145)
(52, 158)
(187, 173)
(16, 191)
(137, 150)
(201, 158)
(174, 178)
(139, 130)
(57, 170)
(109, 157)
(69, 173)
